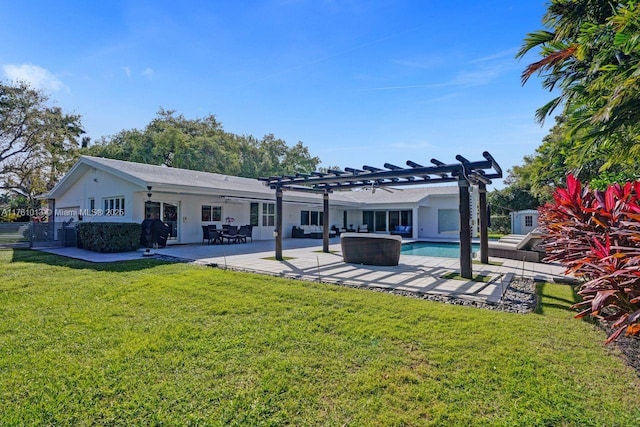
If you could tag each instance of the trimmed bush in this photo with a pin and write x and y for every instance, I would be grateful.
(109, 236)
(500, 224)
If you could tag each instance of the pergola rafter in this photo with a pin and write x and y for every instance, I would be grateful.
(464, 172)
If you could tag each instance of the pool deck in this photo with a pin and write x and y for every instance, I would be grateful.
(304, 260)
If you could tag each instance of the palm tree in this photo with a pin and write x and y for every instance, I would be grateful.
(591, 52)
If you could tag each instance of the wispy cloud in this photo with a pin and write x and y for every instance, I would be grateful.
(127, 71)
(148, 73)
(36, 76)
(477, 72)
(504, 54)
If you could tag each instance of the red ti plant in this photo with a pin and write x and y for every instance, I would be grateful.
(596, 236)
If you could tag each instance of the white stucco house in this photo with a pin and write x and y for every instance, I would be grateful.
(99, 189)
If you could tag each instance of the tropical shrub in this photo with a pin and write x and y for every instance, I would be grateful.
(596, 235)
(109, 236)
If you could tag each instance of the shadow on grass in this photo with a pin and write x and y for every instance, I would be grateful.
(555, 296)
(546, 298)
(37, 257)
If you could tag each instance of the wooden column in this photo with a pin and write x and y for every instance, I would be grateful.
(465, 229)
(484, 224)
(325, 223)
(278, 231)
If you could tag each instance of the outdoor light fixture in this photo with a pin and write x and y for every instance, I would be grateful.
(149, 193)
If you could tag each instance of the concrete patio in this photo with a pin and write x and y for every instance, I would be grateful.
(305, 260)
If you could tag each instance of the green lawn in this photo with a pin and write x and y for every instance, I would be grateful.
(153, 343)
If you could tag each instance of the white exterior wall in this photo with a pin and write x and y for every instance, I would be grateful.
(98, 185)
(428, 217)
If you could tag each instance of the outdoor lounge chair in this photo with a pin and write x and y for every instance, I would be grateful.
(370, 249)
(519, 246)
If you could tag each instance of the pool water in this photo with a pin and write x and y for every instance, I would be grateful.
(437, 249)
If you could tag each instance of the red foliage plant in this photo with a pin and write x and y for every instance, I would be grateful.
(596, 236)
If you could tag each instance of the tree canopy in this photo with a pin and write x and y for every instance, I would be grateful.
(202, 144)
(590, 53)
(38, 141)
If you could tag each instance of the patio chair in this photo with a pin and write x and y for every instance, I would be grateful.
(243, 233)
(231, 235)
(216, 236)
(206, 234)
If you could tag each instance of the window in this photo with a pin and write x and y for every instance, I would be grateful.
(114, 206)
(268, 214)
(92, 204)
(528, 221)
(211, 213)
(311, 218)
(448, 220)
(399, 218)
(254, 215)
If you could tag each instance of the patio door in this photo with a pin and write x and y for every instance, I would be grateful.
(166, 211)
(375, 220)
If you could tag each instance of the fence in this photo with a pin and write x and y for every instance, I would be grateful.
(15, 234)
(37, 234)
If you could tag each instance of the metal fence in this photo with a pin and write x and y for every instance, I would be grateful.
(37, 234)
(53, 234)
(15, 234)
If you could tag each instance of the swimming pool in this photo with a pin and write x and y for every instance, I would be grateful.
(437, 249)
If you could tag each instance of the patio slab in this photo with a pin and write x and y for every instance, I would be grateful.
(305, 260)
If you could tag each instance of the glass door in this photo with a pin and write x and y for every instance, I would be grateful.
(170, 217)
(167, 212)
(380, 221)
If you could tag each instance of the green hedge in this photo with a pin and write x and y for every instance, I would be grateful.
(500, 224)
(109, 236)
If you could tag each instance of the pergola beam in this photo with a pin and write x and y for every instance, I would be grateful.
(465, 173)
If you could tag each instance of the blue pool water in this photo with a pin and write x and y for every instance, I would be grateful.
(437, 249)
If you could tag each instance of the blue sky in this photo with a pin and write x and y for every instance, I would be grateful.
(358, 82)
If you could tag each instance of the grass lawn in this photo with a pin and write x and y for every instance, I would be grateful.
(148, 343)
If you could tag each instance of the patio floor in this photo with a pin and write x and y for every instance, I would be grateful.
(305, 260)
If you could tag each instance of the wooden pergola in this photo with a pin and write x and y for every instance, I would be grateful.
(464, 172)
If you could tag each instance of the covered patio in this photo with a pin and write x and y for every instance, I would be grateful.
(466, 173)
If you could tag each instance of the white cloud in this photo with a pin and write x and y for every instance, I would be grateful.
(36, 76)
(127, 71)
(148, 72)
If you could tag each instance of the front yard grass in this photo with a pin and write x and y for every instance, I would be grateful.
(153, 343)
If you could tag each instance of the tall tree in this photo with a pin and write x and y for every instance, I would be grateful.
(202, 144)
(591, 53)
(37, 141)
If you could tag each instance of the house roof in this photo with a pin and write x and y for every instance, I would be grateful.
(162, 178)
(392, 195)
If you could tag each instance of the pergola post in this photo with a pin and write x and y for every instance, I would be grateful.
(465, 172)
(465, 229)
(325, 223)
(484, 224)
(278, 232)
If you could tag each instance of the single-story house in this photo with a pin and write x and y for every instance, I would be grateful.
(99, 189)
